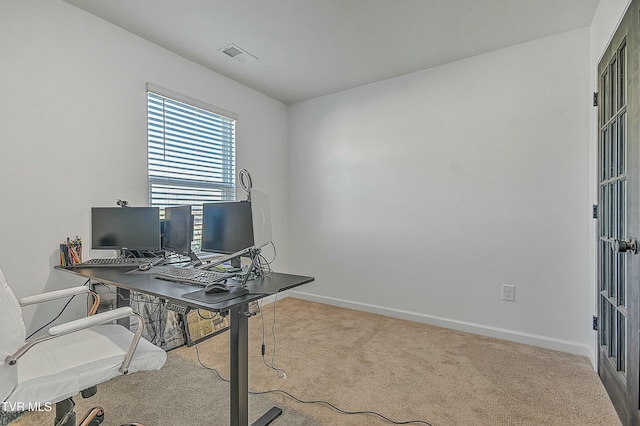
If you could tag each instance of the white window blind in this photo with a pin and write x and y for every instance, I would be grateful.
(191, 152)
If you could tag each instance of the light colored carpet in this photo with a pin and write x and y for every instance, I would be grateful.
(362, 362)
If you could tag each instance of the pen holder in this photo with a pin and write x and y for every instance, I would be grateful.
(71, 253)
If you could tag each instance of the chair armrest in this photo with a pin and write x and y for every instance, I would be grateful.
(82, 323)
(86, 322)
(53, 295)
(61, 294)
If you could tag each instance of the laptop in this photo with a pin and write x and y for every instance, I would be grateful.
(261, 218)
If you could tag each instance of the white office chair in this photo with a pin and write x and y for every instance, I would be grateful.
(73, 357)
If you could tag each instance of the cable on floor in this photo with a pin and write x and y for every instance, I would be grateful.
(321, 402)
(339, 410)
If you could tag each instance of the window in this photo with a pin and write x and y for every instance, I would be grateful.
(191, 153)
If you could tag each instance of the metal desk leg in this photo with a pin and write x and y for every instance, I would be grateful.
(239, 371)
(239, 368)
(122, 299)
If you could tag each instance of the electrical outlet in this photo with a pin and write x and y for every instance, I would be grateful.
(509, 292)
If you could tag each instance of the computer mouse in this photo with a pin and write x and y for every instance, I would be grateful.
(215, 288)
(145, 266)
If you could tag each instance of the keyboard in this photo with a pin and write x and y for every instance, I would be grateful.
(119, 262)
(192, 276)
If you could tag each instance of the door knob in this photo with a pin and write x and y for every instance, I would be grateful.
(622, 246)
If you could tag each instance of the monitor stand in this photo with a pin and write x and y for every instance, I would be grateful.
(236, 262)
(195, 260)
(136, 253)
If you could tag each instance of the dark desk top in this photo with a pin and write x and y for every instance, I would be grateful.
(145, 282)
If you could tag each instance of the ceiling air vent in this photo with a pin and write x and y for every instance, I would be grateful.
(238, 54)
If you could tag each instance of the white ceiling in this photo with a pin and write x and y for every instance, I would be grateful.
(309, 48)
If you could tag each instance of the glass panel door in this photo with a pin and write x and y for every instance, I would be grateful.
(619, 218)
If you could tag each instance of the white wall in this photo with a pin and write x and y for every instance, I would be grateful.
(73, 134)
(421, 195)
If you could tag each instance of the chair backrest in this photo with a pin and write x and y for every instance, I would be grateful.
(12, 336)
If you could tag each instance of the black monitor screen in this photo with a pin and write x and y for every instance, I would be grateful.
(125, 228)
(226, 227)
(178, 229)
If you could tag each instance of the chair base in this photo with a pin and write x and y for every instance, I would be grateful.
(66, 415)
(94, 417)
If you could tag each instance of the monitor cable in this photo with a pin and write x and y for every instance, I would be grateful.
(263, 265)
(274, 254)
(259, 265)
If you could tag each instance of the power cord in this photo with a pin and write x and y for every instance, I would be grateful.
(340, 410)
(321, 402)
(275, 254)
(205, 318)
(282, 374)
(207, 367)
(57, 316)
(265, 265)
(49, 323)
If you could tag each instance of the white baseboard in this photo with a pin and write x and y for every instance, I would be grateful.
(484, 330)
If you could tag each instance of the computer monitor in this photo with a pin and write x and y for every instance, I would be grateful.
(226, 227)
(125, 228)
(178, 229)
